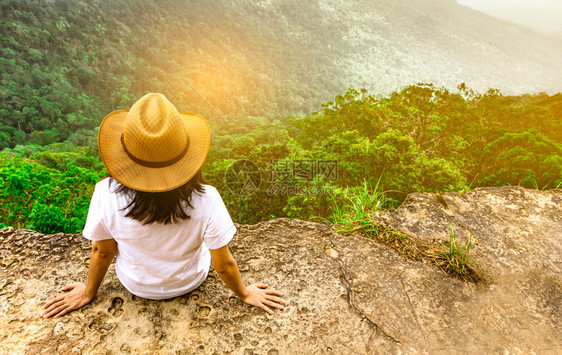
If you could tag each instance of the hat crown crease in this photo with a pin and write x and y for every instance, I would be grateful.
(154, 130)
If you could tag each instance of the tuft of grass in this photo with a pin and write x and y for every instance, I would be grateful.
(453, 258)
(535, 185)
(358, 206)
(355, 212)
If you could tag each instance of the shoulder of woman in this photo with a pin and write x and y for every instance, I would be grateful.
(103, 184)
(102, 187)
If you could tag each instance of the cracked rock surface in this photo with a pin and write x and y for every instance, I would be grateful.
(347, 294)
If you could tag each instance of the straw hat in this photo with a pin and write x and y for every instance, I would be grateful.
(152, 147)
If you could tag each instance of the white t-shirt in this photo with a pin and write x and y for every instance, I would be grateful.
(158, 261)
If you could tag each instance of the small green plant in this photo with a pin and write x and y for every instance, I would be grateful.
(557, 186)
(454, 258)
(355, 210)
(534, 183)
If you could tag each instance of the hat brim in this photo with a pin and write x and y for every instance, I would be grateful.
(142, 178)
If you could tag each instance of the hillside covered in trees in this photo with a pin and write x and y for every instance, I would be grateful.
(422, 138)
(278, 72)
(64, 64)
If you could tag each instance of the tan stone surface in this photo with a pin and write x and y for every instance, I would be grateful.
(346, 294)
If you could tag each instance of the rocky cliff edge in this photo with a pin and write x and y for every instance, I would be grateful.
(346, 293)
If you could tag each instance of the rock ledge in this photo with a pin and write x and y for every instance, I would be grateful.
(347, 294)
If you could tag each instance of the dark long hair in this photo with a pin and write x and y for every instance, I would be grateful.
(160, 207)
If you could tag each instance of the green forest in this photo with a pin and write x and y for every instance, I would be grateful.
(64, 68)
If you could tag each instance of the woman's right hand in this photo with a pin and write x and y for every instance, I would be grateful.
(257, 295)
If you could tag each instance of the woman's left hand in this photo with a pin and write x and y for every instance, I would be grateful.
(63, 304)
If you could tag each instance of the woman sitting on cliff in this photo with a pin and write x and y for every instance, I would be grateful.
(156, 213)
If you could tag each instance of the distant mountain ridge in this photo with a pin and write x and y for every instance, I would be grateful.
(445, 43)
(73, 61)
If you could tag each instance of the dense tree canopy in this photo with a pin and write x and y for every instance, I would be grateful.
(421, 138)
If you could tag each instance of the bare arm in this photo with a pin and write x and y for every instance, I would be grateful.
(101, 257)
(256, 294)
